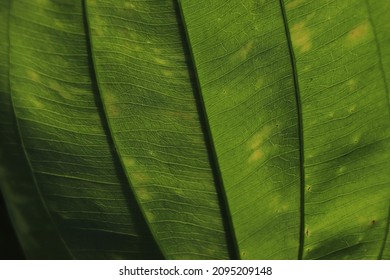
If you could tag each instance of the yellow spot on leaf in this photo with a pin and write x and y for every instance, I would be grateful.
(157, 50)
(150, 216)
(33, 75)
(301, 37)
(160, 61)
(140, 177)
(294, 4)
(258, 139)
(359, 33)
(144, 194)
(129, 162)
(113, 110)
(54, 85)
(167, 73)
(129, 5)
(256, 142)
(259, 83)
(244, 51)
(352, 85)
(341, 170)
(256, 155)
(35, 103)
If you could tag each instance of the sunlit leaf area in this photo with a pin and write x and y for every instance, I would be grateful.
(183, 129)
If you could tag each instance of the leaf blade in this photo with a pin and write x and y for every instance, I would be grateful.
(64, 135)
(345, 117)
(147, 90)
(17, 183)
(234, 75)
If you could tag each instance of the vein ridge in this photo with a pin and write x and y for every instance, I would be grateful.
(300, 128)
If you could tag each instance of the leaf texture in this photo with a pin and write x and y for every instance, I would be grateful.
(146, 88)
(248, 74)
(64, 135)
(28, 214)
(196, 129)
(345, 126)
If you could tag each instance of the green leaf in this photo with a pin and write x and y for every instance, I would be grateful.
(196, 129)
(147, 90)
(247, 72)
(345, 113)
(64, 136)
(28, 214)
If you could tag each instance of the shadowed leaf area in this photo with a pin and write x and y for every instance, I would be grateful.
(195, 129)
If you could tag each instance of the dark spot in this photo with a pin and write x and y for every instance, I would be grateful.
(309, 188)
(307, 232)
(373, 222)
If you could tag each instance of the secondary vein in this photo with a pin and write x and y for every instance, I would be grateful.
(300, 129)
(232, 239)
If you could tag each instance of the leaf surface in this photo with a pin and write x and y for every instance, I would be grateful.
(64, 135)
(345, 114)
(246, 80)
(28, 214)
(196, 129)
(150, 102)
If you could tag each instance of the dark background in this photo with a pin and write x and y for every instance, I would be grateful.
(9, 245)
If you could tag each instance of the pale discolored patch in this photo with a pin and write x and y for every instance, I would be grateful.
(35, 103)
(259, 83)
(112, 105)
(59, 25)
(129, 162)
(244, 51)
(150, 216)
(157, 50)
(160, 61)
(258, 139)
(167, 73)
(352, 109)
(66, 94)
(129, 5)
(359, 33)
(140, 177)
(356, 139)
(110, 99)
(55, 86)
(113, 110)
(32, 75)
(294, 4)
(256, 142)
(185, 74)
(255, 156)
(307, 68)
(341, 170)
(301, 37)
(351, 85)
(144, 194)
